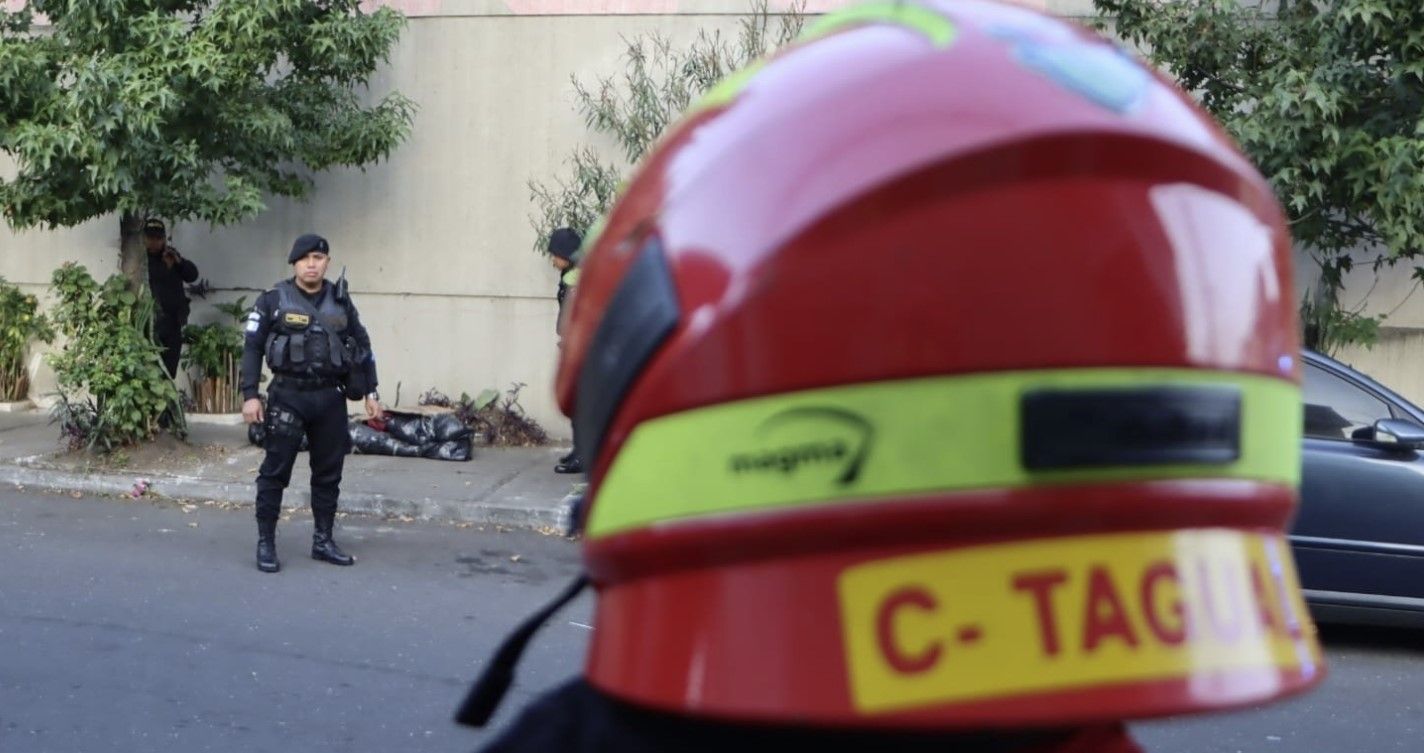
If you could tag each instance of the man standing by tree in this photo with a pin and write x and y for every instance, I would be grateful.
(167, 272)
(200, 110)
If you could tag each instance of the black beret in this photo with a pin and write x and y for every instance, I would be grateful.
(307, 244)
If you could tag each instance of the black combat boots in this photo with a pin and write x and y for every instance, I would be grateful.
(267, 546)
(323, 546)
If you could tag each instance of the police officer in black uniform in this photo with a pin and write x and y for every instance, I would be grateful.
(167, 271)
(319, 355)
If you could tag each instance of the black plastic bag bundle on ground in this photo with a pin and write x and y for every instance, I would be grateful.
(439, 436)
(455, 449)
(447, 427)
(368, 441)
(410, 428)
(422, 429)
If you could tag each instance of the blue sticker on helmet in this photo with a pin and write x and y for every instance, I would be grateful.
(1104, 75)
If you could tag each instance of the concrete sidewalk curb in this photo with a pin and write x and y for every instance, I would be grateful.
(545, 519)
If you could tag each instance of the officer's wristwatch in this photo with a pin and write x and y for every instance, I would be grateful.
(374, 396)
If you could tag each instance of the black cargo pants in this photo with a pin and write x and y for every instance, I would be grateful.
(168, 334)
(320, 416)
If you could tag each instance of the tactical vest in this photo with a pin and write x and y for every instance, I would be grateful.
(306, 338)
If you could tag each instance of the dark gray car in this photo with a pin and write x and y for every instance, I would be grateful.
(1358, 536)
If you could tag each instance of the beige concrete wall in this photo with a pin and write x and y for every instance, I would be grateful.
(1394, 361)
(1397, 359)
(437, 240)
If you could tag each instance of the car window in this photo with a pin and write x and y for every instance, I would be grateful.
(1335, 408)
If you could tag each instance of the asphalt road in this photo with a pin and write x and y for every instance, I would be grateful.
(136, 626)
(131, 626)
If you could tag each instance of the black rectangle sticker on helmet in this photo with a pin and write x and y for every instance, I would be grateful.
(642, 313)
(1062, 429)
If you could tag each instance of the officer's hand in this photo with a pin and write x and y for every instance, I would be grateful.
(252, 411)
(373, 410)
(170, 257)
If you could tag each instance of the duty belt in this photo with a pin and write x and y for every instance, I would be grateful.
(303, 384)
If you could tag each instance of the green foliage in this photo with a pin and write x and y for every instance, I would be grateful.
(1328, 100)
(483, 400)
(498, 423)
(113, 388)
(1328, 327)
(21, 323)
(188, 109)
(213, 353)
(577, 201)
(504, 423)
(209, 348)
(658, 84)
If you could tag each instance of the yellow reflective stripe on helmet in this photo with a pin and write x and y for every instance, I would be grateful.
(935, 26)
(728, 88)
(893, 439)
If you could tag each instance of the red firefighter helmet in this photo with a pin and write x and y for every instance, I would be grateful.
(940, 371)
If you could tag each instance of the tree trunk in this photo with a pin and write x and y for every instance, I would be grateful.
(132, 251)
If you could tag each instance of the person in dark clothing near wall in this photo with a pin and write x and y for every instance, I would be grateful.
(309, 332)
(167, 272)
(563, 244)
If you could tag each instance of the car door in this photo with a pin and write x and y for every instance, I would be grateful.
(1360, 526)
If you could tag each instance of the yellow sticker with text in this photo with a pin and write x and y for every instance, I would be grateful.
(296, 320)
(986, 622)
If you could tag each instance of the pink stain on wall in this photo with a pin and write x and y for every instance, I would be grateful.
(621, 7)
(14, 5)
(574, 7)
(605, 7)
(590, 7)
(550, 7)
